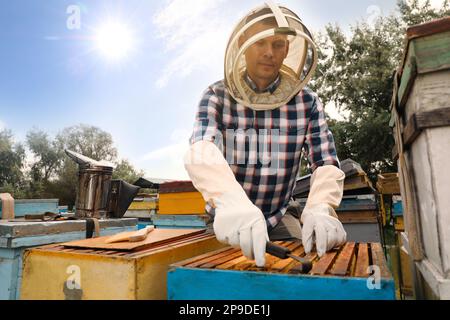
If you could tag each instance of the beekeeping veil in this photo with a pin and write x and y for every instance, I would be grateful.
(297, 68)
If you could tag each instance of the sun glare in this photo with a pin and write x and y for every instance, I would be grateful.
(114, 40)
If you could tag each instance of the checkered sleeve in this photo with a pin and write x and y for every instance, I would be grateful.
(208, 119)
(320, 146)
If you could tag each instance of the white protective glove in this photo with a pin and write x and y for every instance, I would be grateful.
(238, 222)
(320, 221)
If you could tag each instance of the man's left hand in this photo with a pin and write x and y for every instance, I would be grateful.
(329, 232)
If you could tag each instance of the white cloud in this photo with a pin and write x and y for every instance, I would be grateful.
(2, 125)
(166, 163)
(195, 34)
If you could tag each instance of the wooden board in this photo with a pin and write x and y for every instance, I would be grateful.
(358, 216)
(362, 262)
(379, 260)
(350, 260)
(156, 237)
(388, 183)
(344, 260)
(176, 187)
(429, 28)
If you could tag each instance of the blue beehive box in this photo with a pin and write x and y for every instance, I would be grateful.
(356, 271)
(397, 206)
(33, 206)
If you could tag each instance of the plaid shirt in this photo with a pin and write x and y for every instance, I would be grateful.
(263, 148)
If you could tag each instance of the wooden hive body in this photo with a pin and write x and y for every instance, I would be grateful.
(226, 274)
(58, 272)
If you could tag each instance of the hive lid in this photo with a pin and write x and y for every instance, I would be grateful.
(84, 161)
(155, 238)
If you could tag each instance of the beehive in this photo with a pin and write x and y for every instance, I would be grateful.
(180, 197)
(421, 125)
(16, 237)
(58, 272)
(340, 274)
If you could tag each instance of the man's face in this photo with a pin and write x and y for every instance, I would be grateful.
(265, 57)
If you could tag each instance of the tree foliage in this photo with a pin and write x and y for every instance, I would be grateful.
(51, 173)
(12, 159)
(355, 73)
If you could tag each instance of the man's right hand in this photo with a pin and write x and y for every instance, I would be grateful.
(239, 223)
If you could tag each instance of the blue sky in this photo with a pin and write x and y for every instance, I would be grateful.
(52, 77)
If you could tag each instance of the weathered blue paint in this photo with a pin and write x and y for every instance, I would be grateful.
(207, 284)
(178, 221)
(63, 237)
(11, 254)
(32, 206)
(10, 262)
(143, 224)
(63, 209)
(397, 208)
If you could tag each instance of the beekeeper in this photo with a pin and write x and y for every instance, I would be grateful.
(249, 133)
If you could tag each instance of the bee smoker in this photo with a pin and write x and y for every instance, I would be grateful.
(98, 196)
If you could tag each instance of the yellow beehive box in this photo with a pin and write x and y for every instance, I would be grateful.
(180, 197)
(143, 205)
(181, 203)
(55, 272)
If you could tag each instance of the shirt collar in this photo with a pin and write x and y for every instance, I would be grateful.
(271, 88)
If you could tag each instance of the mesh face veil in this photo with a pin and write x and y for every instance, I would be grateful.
(270, 45)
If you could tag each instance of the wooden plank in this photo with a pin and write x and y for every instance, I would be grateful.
(156, 237)
(300, 251)
(244, 265)
(177, 220)
(230, 256)
(425, 120)
(325, 263)
(24, 228)
(293, 268)
(362, 261)
(358, 216)
(379, 260)
(212, 258)
(177, 187)
(343, 261)
(429, 28)
(230, 264)
(283, 263)
(200, 257)
(408, 77)
(162, 246)
(388, 183)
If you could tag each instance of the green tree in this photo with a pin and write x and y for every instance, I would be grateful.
(12, 160)
(47, 156)
(125, 171)
(87, 140)
(355, 73)
(416, 11)
(47, 159)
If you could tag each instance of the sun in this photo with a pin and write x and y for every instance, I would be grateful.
(114, 40)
